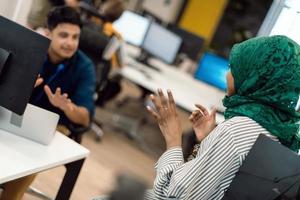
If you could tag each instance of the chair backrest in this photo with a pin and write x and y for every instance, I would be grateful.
(269, 172)
(93, 43)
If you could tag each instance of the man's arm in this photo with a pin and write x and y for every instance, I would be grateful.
(77, 114)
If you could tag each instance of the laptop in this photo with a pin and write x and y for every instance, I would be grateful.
(36, 124)
(22, 54)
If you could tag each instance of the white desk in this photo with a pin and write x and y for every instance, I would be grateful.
(21, 157)
(186, 90)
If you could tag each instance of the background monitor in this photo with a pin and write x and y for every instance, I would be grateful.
(132, 27)
(212, 69)
(23, 53)
(191, 43)
(161, 43)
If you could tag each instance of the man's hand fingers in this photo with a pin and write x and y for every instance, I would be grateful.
(65, 95)
(48, 91)
(38, 81)
(58, 91)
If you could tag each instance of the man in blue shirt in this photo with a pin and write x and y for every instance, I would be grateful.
(68, 86)
(69, 76)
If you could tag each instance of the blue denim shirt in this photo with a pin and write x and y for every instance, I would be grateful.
(75, 76)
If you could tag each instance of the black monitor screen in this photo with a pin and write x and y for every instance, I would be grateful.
(161, 43)
(191, 43)
(23, 53)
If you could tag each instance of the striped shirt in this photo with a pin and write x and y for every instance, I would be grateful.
(207, 176)
(218, 159)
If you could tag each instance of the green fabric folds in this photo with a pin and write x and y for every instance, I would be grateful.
(266, 72)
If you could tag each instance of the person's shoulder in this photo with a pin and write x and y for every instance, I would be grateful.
(83, 65)
(242, 128)
(240, 122)
(235, 121)
(83, 59)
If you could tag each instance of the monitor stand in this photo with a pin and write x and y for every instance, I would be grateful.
(143, 58)
(16, 119)
(10, 118)
(35, 124)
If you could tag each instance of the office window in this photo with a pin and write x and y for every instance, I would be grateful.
(288, 21)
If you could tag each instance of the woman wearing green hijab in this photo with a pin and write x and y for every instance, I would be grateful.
(262, 98)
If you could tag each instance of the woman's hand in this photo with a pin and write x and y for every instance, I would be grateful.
(166, 116)
(203, 122)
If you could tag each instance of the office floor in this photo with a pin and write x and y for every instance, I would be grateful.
(116, 153)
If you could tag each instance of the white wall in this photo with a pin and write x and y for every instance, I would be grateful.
(166, 10)
(131, 4)
(16, 10)
(7, 8)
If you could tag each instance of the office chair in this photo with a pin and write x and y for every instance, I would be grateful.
(97, 45)
(269, 171)
(76, 132)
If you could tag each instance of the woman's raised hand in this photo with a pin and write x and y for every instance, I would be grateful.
(166, 116)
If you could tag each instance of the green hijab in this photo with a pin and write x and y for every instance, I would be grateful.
(266, 72)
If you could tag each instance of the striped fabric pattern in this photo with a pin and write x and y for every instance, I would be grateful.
(207, 176)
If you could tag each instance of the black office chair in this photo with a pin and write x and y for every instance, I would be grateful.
(94, 42)
(77, 131)
(270, 171)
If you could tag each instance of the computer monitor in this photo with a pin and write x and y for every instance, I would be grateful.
(22, 54)
(132, 27)
(161, 43)
(191, 43)
(212, 69)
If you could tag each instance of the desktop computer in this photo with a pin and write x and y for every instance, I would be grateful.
(191, 43)
(22, 54)
(133, 27)
(161, 43)
(212, 69)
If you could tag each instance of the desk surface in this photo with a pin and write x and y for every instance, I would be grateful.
(186, 90)
(21, 157)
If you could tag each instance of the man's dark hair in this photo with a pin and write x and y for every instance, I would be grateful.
(57, 2)
(112, 10)
(63, 14)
